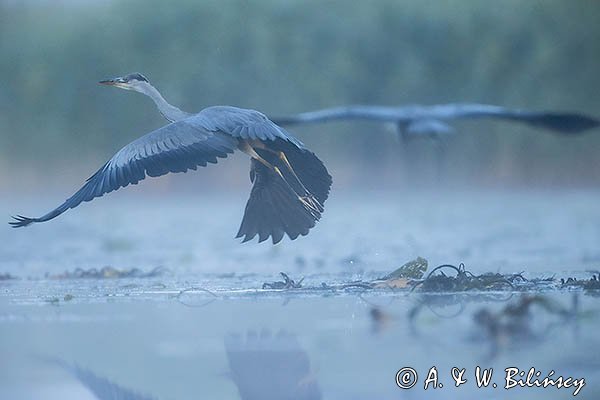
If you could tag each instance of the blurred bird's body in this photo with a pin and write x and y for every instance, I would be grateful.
(290, 184)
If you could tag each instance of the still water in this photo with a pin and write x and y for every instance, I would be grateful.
(202, 327)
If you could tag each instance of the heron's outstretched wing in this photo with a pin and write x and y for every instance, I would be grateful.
(176, 147)
(556, 121)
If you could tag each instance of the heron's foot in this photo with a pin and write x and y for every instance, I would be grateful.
(312, 205)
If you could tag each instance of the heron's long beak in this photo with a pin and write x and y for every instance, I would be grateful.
(107, 82)
(117, 82)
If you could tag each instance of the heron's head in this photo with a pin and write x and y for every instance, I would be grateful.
(135, 81)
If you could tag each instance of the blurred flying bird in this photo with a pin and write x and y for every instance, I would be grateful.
(290, 184)
(432, 120)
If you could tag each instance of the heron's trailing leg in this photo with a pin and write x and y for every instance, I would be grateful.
(308, 199)
(314, 202)
(284, 159)
(281, 155)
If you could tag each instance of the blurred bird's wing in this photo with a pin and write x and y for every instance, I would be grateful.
(176, 147)
(564, 122)
(352, 112)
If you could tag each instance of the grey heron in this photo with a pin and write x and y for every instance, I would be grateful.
(433, 120)
(290, 184)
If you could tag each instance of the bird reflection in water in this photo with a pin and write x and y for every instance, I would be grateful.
(262, 366)
(270, 366)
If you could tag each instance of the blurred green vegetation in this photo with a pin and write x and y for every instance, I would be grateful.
(292, 56)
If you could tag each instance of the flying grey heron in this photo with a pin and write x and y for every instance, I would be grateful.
(290, 184)
(432, 120)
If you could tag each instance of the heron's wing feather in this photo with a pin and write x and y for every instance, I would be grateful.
(176, 147)
(274, 209)
(309, 168)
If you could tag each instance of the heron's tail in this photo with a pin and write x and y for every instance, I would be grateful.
(279, 206)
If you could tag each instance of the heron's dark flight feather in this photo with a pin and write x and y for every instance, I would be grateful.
(311, 171)
(274, 207)
(176, 147)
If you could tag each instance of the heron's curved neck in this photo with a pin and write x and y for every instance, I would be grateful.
(167, 110)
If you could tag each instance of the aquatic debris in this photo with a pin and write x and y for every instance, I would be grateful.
(587, 284)
(405, 276)
(109, 273)
(414, 269)
(192, 290)
(464, 280)
(448, 279)
(55, 300)
(410, 275)
(7, 277)
(287, 283)
(402, 277)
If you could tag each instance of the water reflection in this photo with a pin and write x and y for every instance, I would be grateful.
(529, 321)
(263, 366)
(270, 366)
(102, 388)
(314, 347)
(524, 319)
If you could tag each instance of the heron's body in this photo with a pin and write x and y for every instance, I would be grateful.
(290, 184)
